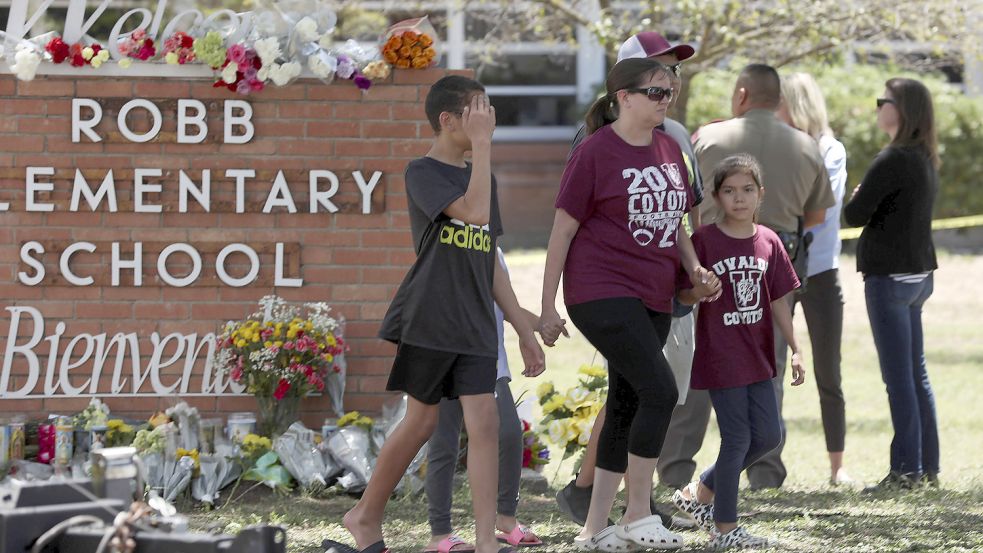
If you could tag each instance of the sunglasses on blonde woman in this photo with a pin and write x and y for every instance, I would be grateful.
(654, 93)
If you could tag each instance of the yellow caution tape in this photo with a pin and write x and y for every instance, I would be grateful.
(938, 224)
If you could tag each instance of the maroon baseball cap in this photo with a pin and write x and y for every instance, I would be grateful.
(649, 44)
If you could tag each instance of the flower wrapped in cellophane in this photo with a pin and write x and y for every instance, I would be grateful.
(411, 43)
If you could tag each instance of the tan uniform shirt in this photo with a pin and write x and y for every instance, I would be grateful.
(792, 168)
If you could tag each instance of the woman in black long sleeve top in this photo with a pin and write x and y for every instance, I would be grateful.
(896, 256)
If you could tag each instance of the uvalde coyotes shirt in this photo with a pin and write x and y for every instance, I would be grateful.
(735, 340)
(629, 201)
(445, 301)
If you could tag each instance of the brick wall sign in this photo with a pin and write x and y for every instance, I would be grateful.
(139, 214)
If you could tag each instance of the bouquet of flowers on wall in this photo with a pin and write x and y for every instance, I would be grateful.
(568, 416)
(280, 355)
(411, 44)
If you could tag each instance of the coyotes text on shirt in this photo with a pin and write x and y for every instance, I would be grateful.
(744, 273)
(652, 207)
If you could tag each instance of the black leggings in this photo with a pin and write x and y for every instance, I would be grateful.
(641, 388)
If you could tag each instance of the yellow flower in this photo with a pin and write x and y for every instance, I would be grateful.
(103, 55)
(125, 63)
(159, 419)
(241, 343)
(276, 331)
(584, 427)
(553, 404)
(576, 398)
(278, 343)
(96, 63)
(255, 337)
(348, 418)
(87, 53)
(267, 344)
(592, 370)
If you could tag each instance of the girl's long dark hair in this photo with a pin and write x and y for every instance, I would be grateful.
(917, 125)
(629, 73)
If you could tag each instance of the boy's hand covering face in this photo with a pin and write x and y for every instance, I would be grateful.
(478, 119)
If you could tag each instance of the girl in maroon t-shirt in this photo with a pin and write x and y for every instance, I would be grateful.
(617, 243)
(735, 346)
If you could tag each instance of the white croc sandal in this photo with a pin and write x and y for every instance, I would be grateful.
(584, 544)
(609, 541)
(650, 534)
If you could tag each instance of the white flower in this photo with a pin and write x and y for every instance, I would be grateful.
(26, 62)
(229, 73)
(125, 63)
(268, 50)
(263, 73)
(557, 431)
(283, 74)
(307, 30)
(323, 69)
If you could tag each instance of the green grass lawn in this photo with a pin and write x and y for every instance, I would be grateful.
(806, 515)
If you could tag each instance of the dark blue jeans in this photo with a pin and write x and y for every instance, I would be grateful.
(895, 312)
(749, 428)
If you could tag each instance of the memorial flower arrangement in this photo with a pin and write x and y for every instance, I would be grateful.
(179, 49)
(285, 41)
(354, 418)
(535, 454)
(280, 356)
(568, 416)
(137, 45)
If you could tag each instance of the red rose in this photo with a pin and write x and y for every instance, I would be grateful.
(281, 390)
(58, 50)
(526, 457)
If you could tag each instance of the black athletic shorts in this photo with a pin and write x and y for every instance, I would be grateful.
(428, 375)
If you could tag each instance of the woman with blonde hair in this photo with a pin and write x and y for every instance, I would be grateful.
(804, 108)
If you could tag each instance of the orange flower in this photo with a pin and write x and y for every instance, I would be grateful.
(403, 63)
(405, 51)
(394, 42)
(425, 40)
(390, 56)
(409, 37)
(430, 53)
(420, 63)
(416, 51)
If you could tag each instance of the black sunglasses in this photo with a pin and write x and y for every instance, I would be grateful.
(882, 101)
(654, 93)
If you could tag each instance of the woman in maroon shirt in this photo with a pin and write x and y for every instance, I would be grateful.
(616, 240)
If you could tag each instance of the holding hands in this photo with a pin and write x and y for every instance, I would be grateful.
(706, 285)
(551, 326)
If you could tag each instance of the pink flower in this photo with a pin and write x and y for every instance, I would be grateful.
(289, 346)
(274, 348)
(237, 53)
(236, 374)
(139, 34)
(281, 390)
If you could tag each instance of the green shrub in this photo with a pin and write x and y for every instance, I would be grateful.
(850, 92)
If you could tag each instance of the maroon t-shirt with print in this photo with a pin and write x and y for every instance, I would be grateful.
(735, 341)
(629, 201)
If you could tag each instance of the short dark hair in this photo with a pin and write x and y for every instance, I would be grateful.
(449, 94)
(763, 85)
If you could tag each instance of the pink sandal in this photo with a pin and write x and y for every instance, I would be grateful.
(452, 544)
(520, 536)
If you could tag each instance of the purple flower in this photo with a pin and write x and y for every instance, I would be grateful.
(362, 82)
(244, 87)
(250, 72)
(346, 67)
